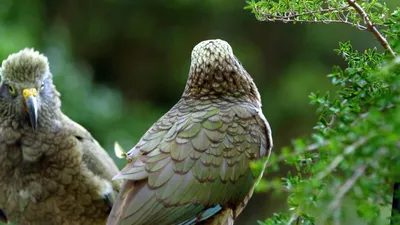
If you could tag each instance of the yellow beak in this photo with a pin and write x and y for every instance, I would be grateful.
(31, 105)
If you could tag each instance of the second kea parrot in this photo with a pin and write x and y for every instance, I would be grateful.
(193, 165)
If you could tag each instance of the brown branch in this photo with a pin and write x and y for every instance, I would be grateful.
(293, 16)
(283, 19)
(371, 26)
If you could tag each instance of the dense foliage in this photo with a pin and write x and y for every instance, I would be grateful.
(348, 166)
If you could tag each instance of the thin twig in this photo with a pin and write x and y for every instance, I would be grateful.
(360, 27)
(292, 16)
(332, 121)
(336, 161)
(293, 219)
(361, 117)
(371, 26)
(346, 187)
(316, 146)
(309, 148)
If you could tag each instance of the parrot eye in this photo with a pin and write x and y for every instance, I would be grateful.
(42, 86)
(11, 89)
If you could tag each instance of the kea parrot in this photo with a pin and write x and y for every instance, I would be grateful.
(193, 165)
(52, 171)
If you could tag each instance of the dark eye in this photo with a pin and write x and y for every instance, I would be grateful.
(11, 89)
(42, 86)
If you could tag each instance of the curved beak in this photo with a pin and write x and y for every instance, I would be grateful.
(31, 105)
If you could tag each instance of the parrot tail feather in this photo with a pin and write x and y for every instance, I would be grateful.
(224, 217)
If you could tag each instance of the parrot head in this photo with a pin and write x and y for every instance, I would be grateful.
(26, 88)
(215, 71)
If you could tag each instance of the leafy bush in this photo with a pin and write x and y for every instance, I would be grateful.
(348, 166)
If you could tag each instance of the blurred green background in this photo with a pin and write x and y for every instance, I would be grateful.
(121, 64)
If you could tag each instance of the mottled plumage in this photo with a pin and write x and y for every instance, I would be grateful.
(192, 165)
(52, 171)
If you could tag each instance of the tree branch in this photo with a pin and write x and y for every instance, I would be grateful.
(292, 16)
(371, 26)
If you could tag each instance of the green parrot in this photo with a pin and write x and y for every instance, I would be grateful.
(193, 165)
(52, 171)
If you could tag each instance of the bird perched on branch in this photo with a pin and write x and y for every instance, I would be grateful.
(52, 171)
(193, 165)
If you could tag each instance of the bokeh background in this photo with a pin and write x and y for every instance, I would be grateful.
(121, 64)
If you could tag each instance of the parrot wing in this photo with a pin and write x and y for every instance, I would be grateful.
(192, 163)
(95, 158)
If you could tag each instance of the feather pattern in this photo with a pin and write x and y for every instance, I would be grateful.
(188, 169)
